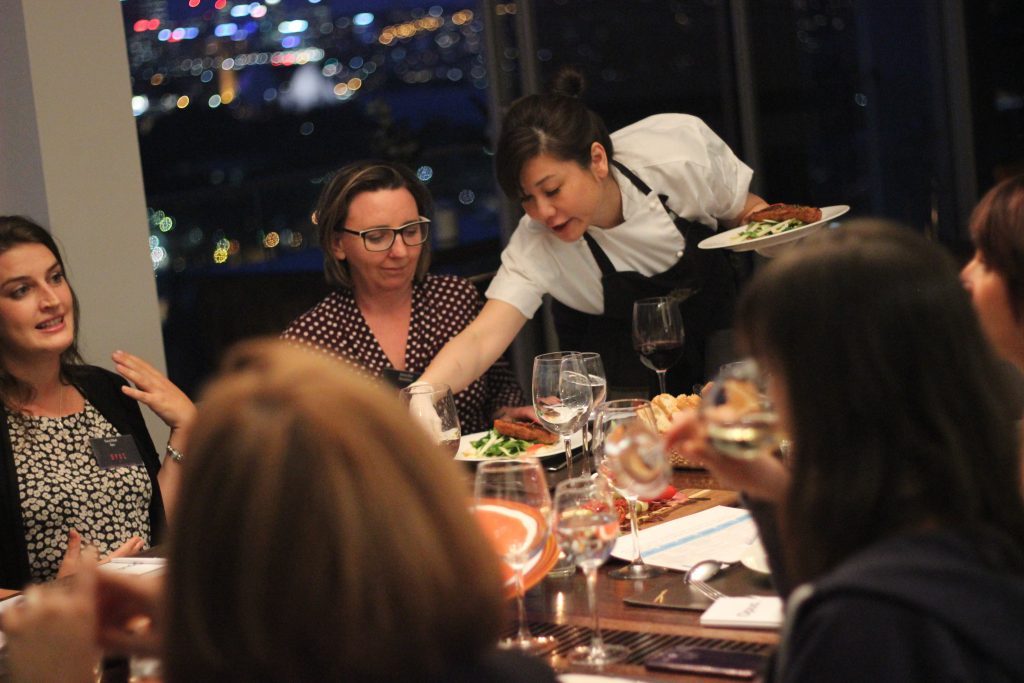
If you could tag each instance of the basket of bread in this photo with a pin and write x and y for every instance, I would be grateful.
(667, 405)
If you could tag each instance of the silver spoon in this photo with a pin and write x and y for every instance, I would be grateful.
(698, 575)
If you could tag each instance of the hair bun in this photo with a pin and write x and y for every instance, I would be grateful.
(568, 82)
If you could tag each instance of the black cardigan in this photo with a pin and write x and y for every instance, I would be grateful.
(101, 388)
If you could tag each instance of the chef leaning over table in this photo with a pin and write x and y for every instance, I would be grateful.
(609, 219)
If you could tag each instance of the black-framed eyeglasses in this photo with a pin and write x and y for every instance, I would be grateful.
(413, 234)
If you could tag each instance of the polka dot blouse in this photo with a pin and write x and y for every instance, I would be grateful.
(442, 306)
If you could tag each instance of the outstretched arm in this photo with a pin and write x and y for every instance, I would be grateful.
(468, 355)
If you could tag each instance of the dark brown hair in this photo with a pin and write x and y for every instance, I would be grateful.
(344, 186)
(557, 123)
(899, 413)
(319, 536)
(997, 228)
(15, 231)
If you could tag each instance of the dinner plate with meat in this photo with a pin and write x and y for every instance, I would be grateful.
(511, 439)
(778, 224)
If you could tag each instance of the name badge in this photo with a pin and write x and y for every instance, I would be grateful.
(400, 379)
(115, 451)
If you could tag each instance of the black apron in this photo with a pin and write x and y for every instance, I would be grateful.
(702, 280)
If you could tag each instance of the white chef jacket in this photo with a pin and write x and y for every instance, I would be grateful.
(675, 154)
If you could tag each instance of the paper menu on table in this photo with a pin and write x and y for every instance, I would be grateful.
(755, 611)
(138, 566)
(719, 533)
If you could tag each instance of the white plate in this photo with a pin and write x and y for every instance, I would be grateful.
(730, 239)
(466, 451)
(756, 559)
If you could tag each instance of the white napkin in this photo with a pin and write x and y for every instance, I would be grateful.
(754, 611)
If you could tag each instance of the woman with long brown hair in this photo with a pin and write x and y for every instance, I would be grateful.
(77, 465)
(900, 515)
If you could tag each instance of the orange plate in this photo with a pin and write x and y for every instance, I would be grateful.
(499, 527)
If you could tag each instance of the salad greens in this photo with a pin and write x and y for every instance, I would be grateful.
(495, 445)
(765, 228)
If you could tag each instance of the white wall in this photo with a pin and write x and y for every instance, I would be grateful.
(69, 158)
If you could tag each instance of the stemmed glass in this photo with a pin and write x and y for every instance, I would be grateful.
(658, 334)
(433, 407)
(630, 454)
(737, 412)
(586, 526)
(561, 395)
(515, 493)
(598, 389)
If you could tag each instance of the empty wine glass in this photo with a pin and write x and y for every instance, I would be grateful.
(516, 493)
(598, 389)
(631, 457)
(433, 407)
(561, 395)
(737, 412)
(586, 526)
(658, 334)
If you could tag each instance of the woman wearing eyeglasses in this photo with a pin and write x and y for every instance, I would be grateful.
(386, 315)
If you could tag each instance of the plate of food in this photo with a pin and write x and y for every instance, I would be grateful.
(510, 439)
(774, 225)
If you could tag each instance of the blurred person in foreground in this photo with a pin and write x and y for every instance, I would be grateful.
(899, 517)
(995, 275)
(306, 548)
(77, 465)
(387, 316)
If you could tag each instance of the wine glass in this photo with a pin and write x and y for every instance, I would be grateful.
(516, 492)
(586, 526)
(737, 413)
(599, 389)
(630, 455)
(561, 395)
(433, 407)
(658, 334)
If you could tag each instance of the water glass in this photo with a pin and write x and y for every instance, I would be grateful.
(630, 455)
(586, 525)
(433, 407)
(518, 491)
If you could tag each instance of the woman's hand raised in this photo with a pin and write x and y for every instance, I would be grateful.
(764, 477)
(154, 390)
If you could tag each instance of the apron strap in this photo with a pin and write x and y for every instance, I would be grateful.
(605, 263)
(646, 189)
(597, 252)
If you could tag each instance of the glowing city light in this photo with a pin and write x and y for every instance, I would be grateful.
(225, 30)
(293, 26)
(363, 19)
(140, 104)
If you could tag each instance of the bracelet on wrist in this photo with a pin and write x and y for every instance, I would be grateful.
(176, 455)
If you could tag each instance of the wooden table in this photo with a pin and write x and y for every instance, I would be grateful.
(559, 607)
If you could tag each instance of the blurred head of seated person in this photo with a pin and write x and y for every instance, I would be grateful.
(387, 316)
(995, 276)
(904, 511)
(319, 538)
(62, 490)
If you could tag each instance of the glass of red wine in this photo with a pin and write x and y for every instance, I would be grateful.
(658, 334)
